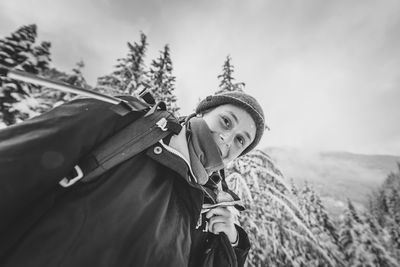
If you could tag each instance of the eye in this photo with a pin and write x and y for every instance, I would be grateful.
(241, 140)
(227, 122)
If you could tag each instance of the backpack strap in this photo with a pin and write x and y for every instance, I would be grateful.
(130, 141)
(133, 103)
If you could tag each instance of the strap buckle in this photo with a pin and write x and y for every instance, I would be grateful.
(162, 123)
(65, 182)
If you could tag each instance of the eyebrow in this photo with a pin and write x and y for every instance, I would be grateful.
(237, 121)
(234, 116)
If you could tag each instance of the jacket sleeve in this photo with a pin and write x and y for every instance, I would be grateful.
(243, 247)
(36, 154)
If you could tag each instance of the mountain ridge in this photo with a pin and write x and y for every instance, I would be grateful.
(335, 175)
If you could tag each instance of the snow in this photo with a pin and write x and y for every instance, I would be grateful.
(2, 125)
(4, 54)
(26, 106)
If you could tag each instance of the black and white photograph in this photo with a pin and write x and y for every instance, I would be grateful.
(215, 133)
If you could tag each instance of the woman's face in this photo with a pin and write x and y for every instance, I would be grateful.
(233, 130)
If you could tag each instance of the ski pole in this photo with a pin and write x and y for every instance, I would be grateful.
(34, 79)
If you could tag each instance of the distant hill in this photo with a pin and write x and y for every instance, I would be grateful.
(335, 175)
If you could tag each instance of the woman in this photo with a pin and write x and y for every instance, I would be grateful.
(142, 212)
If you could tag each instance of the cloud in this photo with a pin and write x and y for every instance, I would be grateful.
(325, 71)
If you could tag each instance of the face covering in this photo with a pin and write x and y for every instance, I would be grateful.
(203, 151)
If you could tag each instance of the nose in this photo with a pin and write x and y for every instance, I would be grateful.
(226, 138)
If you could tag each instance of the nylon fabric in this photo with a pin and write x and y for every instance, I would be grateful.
(204, 154)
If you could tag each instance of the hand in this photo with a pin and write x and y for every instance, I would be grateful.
(222, 219)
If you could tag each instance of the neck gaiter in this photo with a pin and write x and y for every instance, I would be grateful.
(203, 151)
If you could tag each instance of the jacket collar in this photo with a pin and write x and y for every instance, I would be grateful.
(169, 157)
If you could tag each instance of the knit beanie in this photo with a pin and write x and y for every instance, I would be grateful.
(242, 100)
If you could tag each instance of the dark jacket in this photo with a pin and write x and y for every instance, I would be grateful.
(203, 241)
(142, 212)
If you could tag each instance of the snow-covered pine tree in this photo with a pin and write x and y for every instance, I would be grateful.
(51, 97)
(129, 74)
(346, 234)
(227, 78)
(384, 206)
(278, 230)
(317, 217)
(319, 221)
(42, 55)
(18, 51)
(361, 244)
(77, 78)
(379, 252)
(324, 221)
(161, 80)
(17, 48)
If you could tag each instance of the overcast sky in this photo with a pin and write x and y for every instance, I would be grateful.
(326, 72)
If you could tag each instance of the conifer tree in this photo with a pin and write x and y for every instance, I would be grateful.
(279, 232)
(53, 97)
(346, 234)
(17, 48)
(162, 82)
(227, 78)
(129, 74)
(384, 206)
(77, 78)
(361, 244)
(316, 215)
(18, 51)
(42, 55)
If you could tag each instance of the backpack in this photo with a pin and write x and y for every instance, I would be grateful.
(154, 125)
